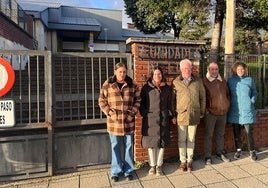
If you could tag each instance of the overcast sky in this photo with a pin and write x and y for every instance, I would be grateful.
(105, 4)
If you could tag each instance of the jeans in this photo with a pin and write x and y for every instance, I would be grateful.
(118, 166)
(237, 136)
(217, 124)
(186, 144)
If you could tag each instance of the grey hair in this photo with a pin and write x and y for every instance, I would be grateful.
(186, 61)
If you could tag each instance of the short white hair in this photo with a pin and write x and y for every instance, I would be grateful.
(186, 61)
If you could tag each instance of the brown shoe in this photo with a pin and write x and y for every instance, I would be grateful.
(189, 167)
(183, 167)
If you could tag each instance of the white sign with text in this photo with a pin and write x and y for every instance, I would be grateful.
(7, 113)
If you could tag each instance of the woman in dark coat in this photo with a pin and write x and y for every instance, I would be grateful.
(155, 109)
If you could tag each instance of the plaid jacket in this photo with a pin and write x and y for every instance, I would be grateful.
(120, 106)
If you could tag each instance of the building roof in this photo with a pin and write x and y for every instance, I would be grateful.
(31, 5)
(71, 23)
(106, 23)
(134, 33)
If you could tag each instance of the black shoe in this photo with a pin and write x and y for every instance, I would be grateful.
(158, 171)
(114, 178)
(223, 157)
(129, 177)
(253, 155)
(208, 161)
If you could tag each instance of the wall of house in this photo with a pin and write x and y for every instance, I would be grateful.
(12, 32)
(149, 53)
(7, 45)
(40, 35)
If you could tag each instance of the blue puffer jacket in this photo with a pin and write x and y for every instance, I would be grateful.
(243, 97)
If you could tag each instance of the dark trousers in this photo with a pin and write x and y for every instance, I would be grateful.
(215, 124)
(237, 136)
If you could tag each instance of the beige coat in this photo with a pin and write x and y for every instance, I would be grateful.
(189, 101)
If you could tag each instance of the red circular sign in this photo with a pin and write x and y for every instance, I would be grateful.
(10, 77)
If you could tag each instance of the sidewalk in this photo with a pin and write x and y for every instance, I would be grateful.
(237, 173)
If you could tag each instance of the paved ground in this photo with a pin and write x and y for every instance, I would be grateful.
(237, 173)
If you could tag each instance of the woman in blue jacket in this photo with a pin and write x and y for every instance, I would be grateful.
(242, 111)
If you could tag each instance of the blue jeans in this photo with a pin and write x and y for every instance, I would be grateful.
(118, 166)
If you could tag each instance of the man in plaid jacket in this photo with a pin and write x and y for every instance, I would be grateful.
(120, 100)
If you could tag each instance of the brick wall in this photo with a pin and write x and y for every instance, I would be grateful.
(11, 31)
(260, 135)
(142, 66)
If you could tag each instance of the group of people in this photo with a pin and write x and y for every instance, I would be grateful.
(183, 104)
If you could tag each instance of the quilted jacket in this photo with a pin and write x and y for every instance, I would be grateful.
(243, 97)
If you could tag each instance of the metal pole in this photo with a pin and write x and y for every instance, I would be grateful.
(229, 37)
(105, 30)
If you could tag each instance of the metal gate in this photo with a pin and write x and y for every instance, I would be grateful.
(59, 125)
(26, 149)
(80, 127)
(77, 81)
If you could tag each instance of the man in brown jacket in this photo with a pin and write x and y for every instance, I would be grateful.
(217, 105)
(189, 101)
(120, 100)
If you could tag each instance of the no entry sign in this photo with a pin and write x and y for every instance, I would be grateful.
(7, 77)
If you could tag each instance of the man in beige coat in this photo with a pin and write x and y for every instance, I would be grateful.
(189, 104)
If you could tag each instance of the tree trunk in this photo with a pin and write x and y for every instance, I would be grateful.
(177, 32)
(176, 29)
(217, 30)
